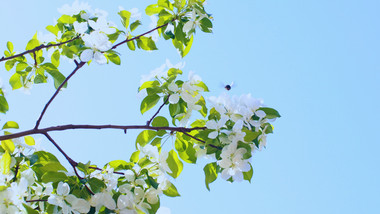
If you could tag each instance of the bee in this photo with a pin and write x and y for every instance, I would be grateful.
(228, 86)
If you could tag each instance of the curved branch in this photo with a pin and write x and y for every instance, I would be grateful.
(71, 161)
(37, 49)
(137, 37)
(159, 109)
(79, 65)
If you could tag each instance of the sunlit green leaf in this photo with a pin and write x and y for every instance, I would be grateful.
(10, 125)
(270, 112)
(5, 163)
(210, 174)
(149, 102)
(160, 121)
(174, 164)
(3, 104)
(171, 191)
(55, 58)
(134, 25)
(145, 137)
(8, 146)
(52, 176)
(153, 9)
(10, 46)
(125, 16)
(29, 140)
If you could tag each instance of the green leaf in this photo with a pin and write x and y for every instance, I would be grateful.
(134, 25)
(5, 163)
(125, 16)
(248, 175)
(21, 66)
(114, 58)
(202, 103)
(120, 165)
(32, 44)
(131, 45)
(210, 174)
(30, 210)
(174, 72)
(9, 64)
(166, 4)
(15, 81)
(171, 191)
(3, 105)
(145, 137)
(52, 176)
(174, 164)
(189, 155)
(250, 135)
(10, 46)
(8, 146)
(66, 19)
(270, 112)
(149, 84)
(10, 125)
(146, 43)
(135, 156)
(53, 29)
(206, 25)
(55, 58)
(52, 167)
(152, 182)
(149, 102)
(29, 140)
(96, 185)
(153, 9)
(188, 47)
(160, 121)
(57, 76)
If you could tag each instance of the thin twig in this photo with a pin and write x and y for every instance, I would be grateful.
(36, 200)
(56, 92)
(195, 138)
(137, 37)
(159, 109)
(37, 49)
(71, 161)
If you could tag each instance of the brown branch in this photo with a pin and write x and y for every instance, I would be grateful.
(35, 59)
(37, 49)
(159, 109)
(71, 126)
(137, 37)
(56, 93)
(36, 200)
(71, 161)
(195, 138)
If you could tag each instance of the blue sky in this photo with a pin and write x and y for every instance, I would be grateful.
(317, 62)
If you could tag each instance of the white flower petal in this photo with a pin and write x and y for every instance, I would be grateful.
(174, 98)
(213, 135)
(87, 55)
(100, 58)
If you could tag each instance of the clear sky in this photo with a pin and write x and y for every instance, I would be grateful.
(317, 62)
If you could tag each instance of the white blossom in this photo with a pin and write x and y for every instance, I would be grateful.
(233, 163)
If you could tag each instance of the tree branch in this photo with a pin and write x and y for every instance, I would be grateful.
(195, 138)
(159, 109)
(56, 93)
(137, 37)
(71, 161)
(37, 49)
(71, 126)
